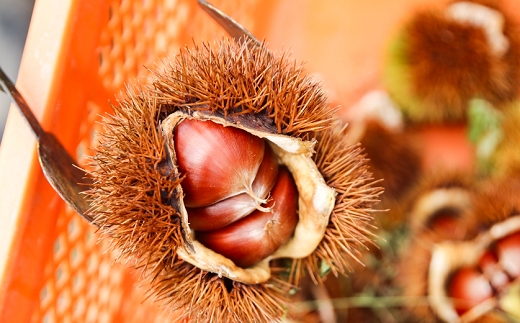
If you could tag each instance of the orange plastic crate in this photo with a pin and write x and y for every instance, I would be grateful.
(78, 56)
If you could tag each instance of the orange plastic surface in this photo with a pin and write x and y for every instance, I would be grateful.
(79, 54)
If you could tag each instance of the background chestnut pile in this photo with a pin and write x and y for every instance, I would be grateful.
(497, 268)
(240, 202)
(445, 166)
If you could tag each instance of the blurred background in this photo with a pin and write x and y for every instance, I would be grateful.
(14, 23)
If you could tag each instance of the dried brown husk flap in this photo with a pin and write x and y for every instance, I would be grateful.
(449, 256)
(315, 204)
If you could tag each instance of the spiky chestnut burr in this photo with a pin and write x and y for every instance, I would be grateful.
(394, 157)
(466, 277)
(394, 154)
(138, 194)
(437, 211)
(438, 203)
(444, 57)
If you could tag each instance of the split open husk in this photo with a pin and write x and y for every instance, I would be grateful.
(137, 190)
(316, 201)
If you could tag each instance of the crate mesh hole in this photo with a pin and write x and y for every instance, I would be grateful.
(64, 300)
(44, 295)
(48, 318)
(58, 248)
(79, 308)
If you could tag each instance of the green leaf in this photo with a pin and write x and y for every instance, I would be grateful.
(324, 269)
(485, 131)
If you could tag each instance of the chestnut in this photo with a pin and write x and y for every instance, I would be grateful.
(508, 250)
(468, 288)
(218, 162)
(494, 273)
(231, 209)
(261, 233)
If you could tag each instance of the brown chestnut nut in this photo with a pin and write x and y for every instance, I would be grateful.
(258, 235)
(220, 214)
(488, 264)
(218, 162)
(508, 250)
(468, 287)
